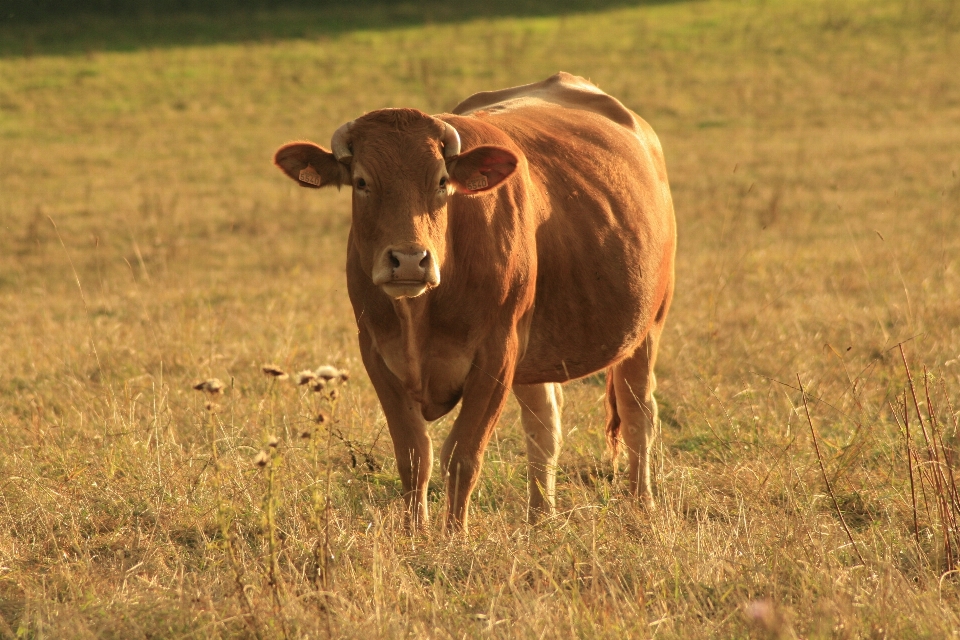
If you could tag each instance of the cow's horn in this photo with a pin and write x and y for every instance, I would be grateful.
(342, 150)
(451, 141)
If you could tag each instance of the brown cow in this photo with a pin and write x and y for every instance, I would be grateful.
(522, 241)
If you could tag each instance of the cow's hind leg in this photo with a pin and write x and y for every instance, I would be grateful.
(633, 385)
(540, 414)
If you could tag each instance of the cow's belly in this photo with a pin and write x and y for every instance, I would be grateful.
(590, 317)
(558, 354)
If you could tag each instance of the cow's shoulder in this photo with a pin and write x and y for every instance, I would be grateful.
(562, 89)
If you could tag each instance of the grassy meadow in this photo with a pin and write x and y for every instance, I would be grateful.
(147, 244)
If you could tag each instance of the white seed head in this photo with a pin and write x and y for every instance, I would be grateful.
(328, 372)
(212, 386)
(274, 371)
(305, 377)
(261, 459)
(332, 375)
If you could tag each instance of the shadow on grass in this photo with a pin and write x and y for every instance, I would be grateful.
(117, 27)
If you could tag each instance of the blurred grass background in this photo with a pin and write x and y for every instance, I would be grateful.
(146, 243)
(60, 26)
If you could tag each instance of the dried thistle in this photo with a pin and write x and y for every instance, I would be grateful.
(212, 386)
(274, 371)
(321, 418)
(306, 377)
(318, 385)
(273, 442)
(334, 394)
(330, 373)
(261, 459)
(769, 620)
(306, 434)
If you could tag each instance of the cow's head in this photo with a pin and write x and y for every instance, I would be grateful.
(404, 167)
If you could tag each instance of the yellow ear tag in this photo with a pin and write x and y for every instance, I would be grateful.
(477, 183)
(310, 176)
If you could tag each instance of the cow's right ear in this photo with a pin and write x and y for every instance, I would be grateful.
(310, 165)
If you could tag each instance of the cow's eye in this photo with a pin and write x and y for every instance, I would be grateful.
(443, 183)
(361, 183)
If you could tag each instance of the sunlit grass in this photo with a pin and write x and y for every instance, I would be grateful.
(812, 149)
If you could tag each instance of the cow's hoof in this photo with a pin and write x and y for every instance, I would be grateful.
(536, 515)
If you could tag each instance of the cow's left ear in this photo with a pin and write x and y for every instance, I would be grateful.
(310, 165)
(481, 168)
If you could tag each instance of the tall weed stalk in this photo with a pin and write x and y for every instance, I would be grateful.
(934, 462)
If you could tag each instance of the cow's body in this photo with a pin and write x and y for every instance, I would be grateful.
(564, 269)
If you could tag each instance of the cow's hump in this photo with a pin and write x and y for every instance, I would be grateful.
(562, 88)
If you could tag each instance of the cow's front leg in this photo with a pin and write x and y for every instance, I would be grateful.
(408, 430)
(484, 394)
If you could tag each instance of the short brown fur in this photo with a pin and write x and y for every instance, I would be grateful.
(561, 266)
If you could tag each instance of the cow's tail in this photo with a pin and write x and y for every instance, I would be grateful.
(613, 417)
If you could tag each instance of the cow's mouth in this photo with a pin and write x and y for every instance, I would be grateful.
(404, 288)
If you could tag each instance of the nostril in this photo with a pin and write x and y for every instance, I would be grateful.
(425, 261)
(394, 261)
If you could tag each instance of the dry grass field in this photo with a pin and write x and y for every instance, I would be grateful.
(147, 244)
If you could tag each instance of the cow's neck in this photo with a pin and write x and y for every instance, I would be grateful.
(412, 314)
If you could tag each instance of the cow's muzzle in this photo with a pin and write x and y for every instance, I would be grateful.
(406, 271)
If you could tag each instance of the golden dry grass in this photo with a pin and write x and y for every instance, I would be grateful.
(147, 244)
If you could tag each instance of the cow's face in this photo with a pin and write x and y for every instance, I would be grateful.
(404, 167)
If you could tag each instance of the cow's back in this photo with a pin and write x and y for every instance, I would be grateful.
(562, 89)
(605, 228)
